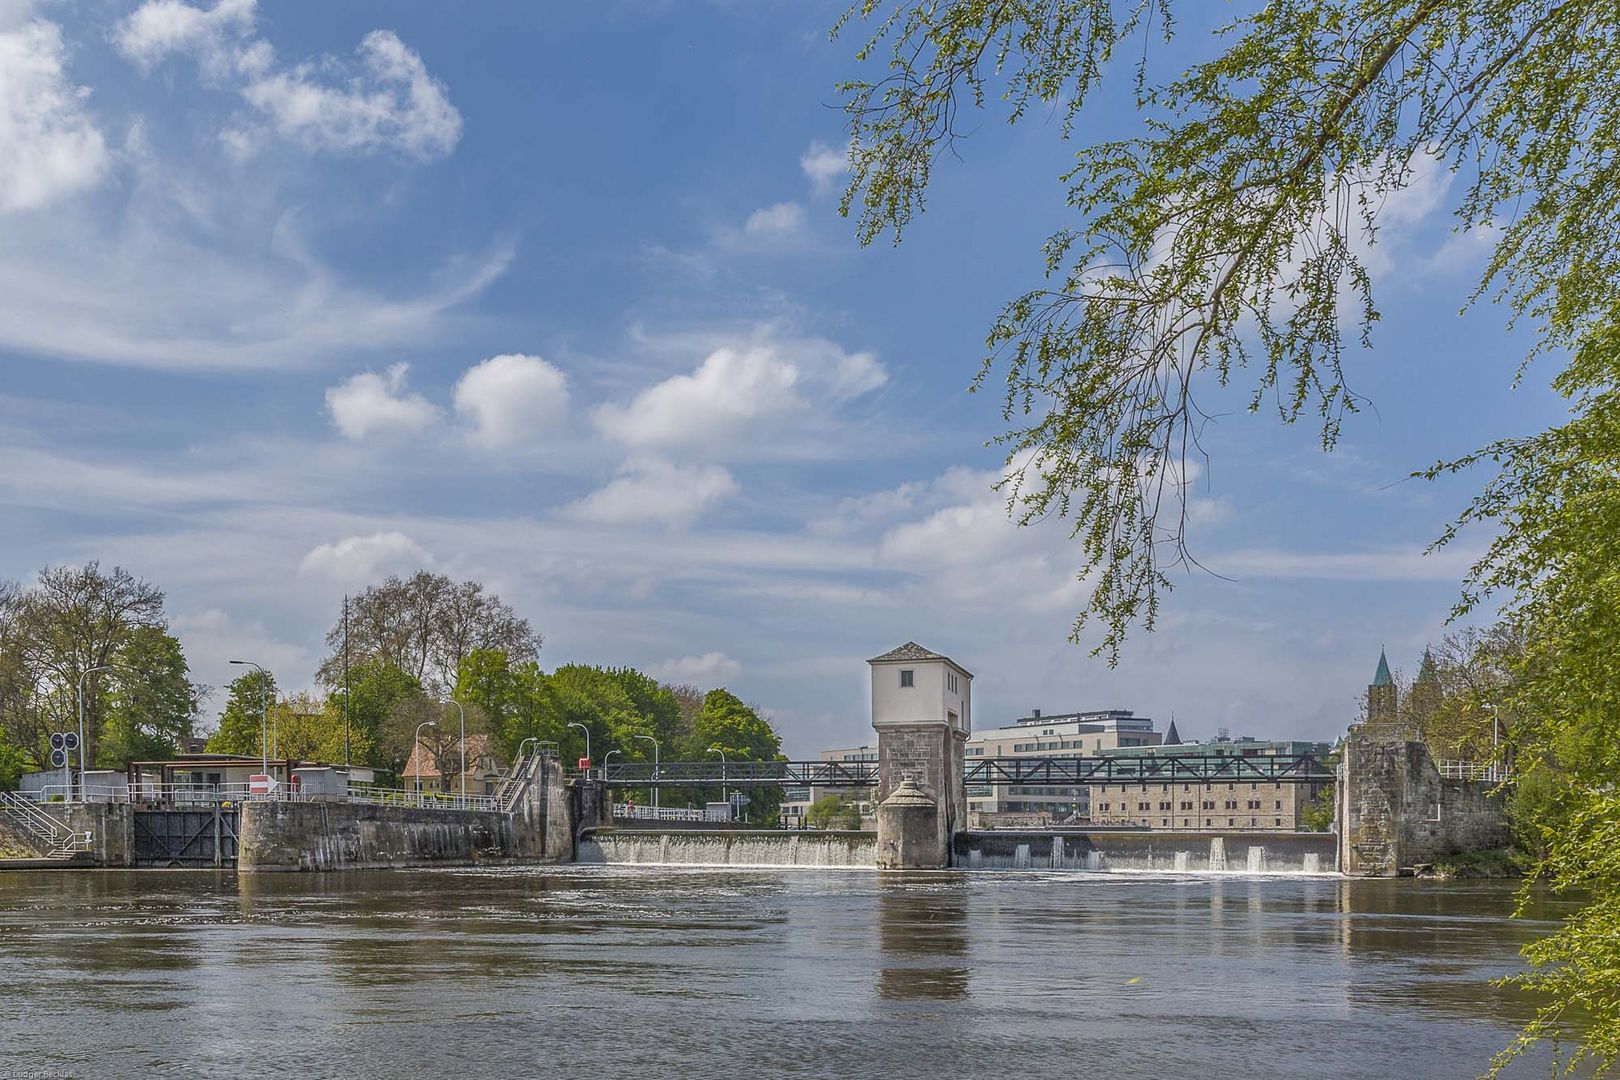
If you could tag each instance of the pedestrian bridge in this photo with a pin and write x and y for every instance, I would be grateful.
(1054, 771)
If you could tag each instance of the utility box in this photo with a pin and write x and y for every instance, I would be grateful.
(717, 811)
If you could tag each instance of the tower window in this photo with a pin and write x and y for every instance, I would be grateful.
(907, 677)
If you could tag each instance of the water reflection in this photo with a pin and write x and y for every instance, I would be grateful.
(922, 937)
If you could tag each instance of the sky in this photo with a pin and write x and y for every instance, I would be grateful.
(556, 297)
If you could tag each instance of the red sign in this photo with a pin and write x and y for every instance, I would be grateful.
(584, 764)
(261, 785)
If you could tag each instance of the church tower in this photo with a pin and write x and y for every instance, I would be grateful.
(1381, 702)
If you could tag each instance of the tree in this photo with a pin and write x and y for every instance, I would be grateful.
(1226, 244)
(744, 735)
(832, 812)
(242, 729)
(72, 619)
(152, 702)
(311, 729)
(377, 691)
(426, 625)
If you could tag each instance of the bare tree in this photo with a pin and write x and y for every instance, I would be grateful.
(73, 619)
(426, 625)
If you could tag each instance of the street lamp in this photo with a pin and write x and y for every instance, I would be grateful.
(607, 757)
(654, 784)
(724, 797)
(418, 754)
(264, 725)
(463, 713)
(100, 667)
(587, 732)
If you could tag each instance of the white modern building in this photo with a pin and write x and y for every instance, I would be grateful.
(1076, 734)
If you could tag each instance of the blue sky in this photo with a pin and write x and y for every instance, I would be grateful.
(556, 296)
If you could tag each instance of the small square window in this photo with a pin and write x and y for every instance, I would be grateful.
(906, 677)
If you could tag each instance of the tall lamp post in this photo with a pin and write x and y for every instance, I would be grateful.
(724, 796)
(654, 785)
(463, 713)
(587, 732)
(87, 673)
(418, 754)
(264, 726)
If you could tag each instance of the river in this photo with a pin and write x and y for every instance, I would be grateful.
(651, 972)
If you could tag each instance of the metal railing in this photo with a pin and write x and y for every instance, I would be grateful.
(630, 812)
(180, 795)
(55, 838)
(1485, 771)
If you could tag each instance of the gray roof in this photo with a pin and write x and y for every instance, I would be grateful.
(913, 651)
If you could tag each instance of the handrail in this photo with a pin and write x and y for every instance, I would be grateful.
(189, 794)
(60, 839)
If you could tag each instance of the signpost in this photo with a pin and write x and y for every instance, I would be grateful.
(259, 784)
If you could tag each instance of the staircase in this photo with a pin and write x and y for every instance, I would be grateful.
(522, 773)
(44, 833)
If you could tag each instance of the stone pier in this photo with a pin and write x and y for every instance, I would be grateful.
(1396, 811)
(921, 704)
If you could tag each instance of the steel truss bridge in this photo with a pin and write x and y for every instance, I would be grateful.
(1043, 771)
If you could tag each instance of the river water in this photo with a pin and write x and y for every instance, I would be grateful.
(652, 972)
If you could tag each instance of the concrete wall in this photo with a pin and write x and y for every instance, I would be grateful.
(355, 836)
(1231, 852)
(1396, 811)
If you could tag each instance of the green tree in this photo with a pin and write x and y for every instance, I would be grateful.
(377, 693)
(1225, 245)
(738, 729)
(152, 702)
(241, 724)
(832, 812)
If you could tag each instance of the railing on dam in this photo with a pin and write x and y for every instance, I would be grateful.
(1055, 771)
(200, 795)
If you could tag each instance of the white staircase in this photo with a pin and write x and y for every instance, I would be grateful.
(51, 838)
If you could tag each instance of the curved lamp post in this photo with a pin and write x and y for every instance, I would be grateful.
(463, 713)
(87, 673)
(264, 727)
(654, 784)
(724, 797)
(418, 754)
(587, 732)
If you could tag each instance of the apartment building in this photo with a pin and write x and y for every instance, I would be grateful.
(1239, 804)
(1076, 734)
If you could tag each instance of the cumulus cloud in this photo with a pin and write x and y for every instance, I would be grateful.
(384, 99)
(512, 399)
(49, 146)
(824, 166)
(655, 492)
(371, 404)
(359, 559)
(710, 669)
(783, 221)
(733, 389)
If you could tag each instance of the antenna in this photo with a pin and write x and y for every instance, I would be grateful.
(345, 680)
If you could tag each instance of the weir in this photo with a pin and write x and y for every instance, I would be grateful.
(646, 847)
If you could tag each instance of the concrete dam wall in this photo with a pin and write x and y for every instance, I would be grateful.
(725, 847)
(1141, 851)
(358, 836)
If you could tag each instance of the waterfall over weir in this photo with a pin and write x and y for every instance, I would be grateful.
(724, 848)
(1096, 852)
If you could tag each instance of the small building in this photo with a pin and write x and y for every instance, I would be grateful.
(486, 768)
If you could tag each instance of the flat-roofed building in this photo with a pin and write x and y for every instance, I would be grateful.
(1060, 735)
(1235, 804)
(796, 800)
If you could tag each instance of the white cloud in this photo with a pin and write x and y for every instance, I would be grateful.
(710, 669)
(384, 100)
(363, 559)
(49, 146)
(732, 390)
(655, 492)
(824, 166)
(512, 399)
(371, 404)
(773, 224)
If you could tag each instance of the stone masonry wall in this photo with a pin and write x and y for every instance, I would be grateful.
(1397, 811)
(931, 754)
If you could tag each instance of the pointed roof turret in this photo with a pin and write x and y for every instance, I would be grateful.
(1171, 737)
(1383, 677)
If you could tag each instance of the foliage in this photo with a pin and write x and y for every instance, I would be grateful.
(1496, 863)
(71, 620)
(1229, 243)
(311, 729)
(12, 763)
(242, 725)
(832, 812)
(425, 626)
(1538, 810)
(1318, 814)
(377, 695)
(739, 730)
(152, 701)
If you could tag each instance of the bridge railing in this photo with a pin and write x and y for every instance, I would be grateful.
(1487, 771)
(220, 794)
(1056, 771)
(631, 812)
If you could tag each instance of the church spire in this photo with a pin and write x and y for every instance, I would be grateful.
(1383, 678)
